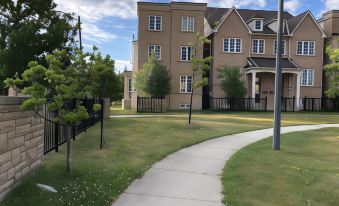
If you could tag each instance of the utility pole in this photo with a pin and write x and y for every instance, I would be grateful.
(80, 40)
(278, 81)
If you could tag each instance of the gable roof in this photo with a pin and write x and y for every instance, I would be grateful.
(213, 15)
(300, 18)
(224, 17)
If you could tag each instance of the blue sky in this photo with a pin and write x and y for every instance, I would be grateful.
(111, 24)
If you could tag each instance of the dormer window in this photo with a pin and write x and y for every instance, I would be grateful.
(258, 25)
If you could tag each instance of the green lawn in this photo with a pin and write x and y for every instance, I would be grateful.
(132, 146)
(305, 172)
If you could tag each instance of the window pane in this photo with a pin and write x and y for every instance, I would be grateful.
(306, 48)
(189, 84)
(310, 77)
(189, 53)
(151, 22)
(300, 48)
(238, 45)
(311, 50)
(255, 46)
(157, 52)
(183, 53)
(261, 46)
(257, 25)
(231, 45)
(182, 83)
(304, 77)
(184, 23)
(226, 44)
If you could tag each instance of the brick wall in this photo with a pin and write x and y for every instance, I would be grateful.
(21, 143)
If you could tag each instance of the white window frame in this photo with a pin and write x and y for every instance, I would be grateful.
(303, 53)
(261, 25)
(187, 56)
(275, 44)
(234, 46)
(184, 84)
(258, 46)
(307, 83)
(154, 23)
(189, 20)
(149, 52)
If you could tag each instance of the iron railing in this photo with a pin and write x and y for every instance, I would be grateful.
(238, 104)
(320, 104)
(150, 104)
(55, 134)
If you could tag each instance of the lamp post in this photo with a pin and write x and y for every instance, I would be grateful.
(278, 81)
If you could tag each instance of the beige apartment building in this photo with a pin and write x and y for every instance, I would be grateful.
(239, 37)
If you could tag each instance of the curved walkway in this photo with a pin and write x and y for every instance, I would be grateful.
(191, 176)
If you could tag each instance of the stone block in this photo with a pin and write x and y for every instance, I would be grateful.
(7, 126)
(32, 154)
(3, 177)
(11, 134)
(38, 133)
(35, 164)
(11, 173)
(16, 156)
(7, 184)
(5, 157)
(11, 116)
(25, 171)
(20, 166)
(26, 114)
(3, 143)
(23, 121)
(9, 108)
(37, 127)
(5, 167)
(17, 176)
(28, 136)
(36, 141)
(40, 148)
(22, 130)
(16, 142)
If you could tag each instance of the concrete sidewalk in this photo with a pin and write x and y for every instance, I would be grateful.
(191, 176)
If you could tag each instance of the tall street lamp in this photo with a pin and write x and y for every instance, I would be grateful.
(278, 81)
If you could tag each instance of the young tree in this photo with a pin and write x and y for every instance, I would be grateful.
(199, 68)
(332, 72)
(154, 79)
(231, 82)
(59, 83)
(29, 29)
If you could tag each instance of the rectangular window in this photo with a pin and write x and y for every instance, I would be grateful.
(306, 48)
(258, 25)
(157, 51)
(258, 46)
(186, 84)
(130, 86)
(276, 47)
(307, 77)
(155, 23)
(186, 53)
(187, 23)
(232, 45)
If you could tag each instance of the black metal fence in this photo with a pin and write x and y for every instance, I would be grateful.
(56, 134)
(288, 104)
(149, 104)
(320, 104)
(238, 104)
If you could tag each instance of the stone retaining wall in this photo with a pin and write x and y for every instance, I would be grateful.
(21, 143)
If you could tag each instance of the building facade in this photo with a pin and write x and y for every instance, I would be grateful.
(239, 37)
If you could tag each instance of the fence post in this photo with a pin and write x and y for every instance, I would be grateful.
(56, 137)
(266, 104)
(137, 103)
(85, 121)
(305, 102)
(293, 103)
(312, 104)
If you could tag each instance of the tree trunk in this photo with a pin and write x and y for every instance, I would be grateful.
(69, 150)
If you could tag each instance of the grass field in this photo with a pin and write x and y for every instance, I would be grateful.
(132, 146)
(304, 172)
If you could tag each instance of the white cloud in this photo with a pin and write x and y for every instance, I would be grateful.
(331, 4)
(121, 64)
(94, 10)
(292, 6)
(93, 33)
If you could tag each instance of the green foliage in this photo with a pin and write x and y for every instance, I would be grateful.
(154, 79)
(231, 82)
(87, 75)
(29, 29)
(332, 72)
